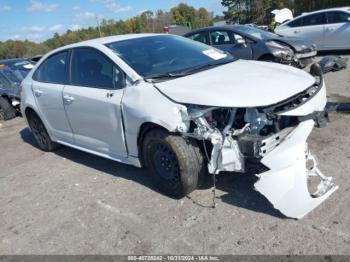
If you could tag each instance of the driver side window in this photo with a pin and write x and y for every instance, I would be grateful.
(221, 37)
(91, 68)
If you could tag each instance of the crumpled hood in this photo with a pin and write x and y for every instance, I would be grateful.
(238, 84)
(299, 44)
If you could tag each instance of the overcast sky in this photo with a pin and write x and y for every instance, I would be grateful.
(38, 20)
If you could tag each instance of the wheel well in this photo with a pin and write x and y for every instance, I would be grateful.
(29, 111)
(266, 57)
(144, 129)
(6, 97)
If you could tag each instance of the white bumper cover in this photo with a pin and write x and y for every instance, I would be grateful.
(285, 184)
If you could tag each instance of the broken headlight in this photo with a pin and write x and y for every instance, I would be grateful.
(280, 51)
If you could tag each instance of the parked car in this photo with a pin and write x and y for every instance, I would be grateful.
(182, 109)
(329, 28)
(248, 42)
(18, 66)
(9, 94)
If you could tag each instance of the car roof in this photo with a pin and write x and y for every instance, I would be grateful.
(346, 9)
(234, 28)
(11, 61)
(107, 40)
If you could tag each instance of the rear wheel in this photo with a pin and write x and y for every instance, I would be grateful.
(7, 111)
(40, 134)
(175, 163)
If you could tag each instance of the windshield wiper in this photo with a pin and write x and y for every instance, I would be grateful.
(189, 71)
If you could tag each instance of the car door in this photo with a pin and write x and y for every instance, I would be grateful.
(226, 41)
(337, 30)
(47, 86)
(312, 28)
(92, 101)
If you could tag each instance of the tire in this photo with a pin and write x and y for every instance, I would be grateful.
(7, 111)
(40, 134)
(176, 164)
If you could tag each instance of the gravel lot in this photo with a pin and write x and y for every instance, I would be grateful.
(70, 202)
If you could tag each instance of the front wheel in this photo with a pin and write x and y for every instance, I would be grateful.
(176, 164)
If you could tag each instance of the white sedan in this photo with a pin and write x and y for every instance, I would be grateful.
(182, 109)
(329, 28)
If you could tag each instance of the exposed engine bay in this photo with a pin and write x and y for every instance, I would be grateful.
(235, 138)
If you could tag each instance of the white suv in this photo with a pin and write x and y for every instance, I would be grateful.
(182, 109)
(329, 28)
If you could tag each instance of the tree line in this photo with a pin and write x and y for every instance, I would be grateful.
(148, 21)
(238, 11)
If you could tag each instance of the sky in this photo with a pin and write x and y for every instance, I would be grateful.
(38, 20)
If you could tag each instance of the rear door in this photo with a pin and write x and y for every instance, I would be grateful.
(93, 102)
(228, 41)
(47, 86)
(337, 30)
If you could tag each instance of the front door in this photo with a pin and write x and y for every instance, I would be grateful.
(93, 103)
(337, 31)
(313, 27)
(230, 42)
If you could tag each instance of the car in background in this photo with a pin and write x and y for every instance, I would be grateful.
(251, 43)
(18, 66)
(12, 72)
(328, 28)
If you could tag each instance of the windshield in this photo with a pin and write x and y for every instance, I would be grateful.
(256, 32)
(11, 76)
(166, 54)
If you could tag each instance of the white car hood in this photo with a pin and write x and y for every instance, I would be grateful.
(238, 84)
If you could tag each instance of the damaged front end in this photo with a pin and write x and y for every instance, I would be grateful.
(274, 138)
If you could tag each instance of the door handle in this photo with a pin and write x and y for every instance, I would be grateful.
(329, 29)
(296, 31)
(38, 92)
(68, 99)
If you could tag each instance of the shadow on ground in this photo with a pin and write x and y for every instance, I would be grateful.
(238, 188)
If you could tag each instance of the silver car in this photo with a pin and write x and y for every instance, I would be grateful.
(182, 109)
(328, 28)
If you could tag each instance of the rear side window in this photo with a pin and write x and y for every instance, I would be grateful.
(221, 37)
(337, 17)
(91, 68)
(315, 19)
(53, 69)
(295, 23)
(200, 37)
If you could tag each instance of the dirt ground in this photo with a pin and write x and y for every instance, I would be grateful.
(70, 202)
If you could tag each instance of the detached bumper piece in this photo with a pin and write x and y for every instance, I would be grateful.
(285, 185)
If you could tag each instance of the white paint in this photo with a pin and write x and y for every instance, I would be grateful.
(285, 184)
(214, 54)
(239, 84)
